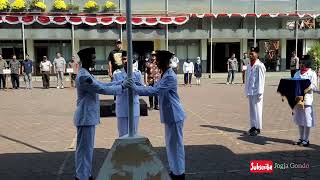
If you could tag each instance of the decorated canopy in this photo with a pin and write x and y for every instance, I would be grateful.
(92, 20)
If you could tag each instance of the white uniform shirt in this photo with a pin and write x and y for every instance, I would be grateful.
(188, 67)
(312, 76)
(174, 62)
(45, 66)
(255, 79)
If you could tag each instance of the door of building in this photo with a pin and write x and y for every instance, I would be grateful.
(221, 53)
(141, 48)
(39, 53)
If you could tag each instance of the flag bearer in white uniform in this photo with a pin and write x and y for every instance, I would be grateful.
(87, 114)
(254, 89)
(122, 111)
(305, 117)
(172, 114)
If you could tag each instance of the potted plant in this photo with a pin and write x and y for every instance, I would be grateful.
(109, 6)
(18, 6)
(73, 8)
(4, 5)
(37, 6)
(91, 6)
(59, 6)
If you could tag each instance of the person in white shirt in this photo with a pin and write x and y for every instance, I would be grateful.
(244, 65)
(188, 69)
(59, 68)
(254, 89)
(174, 63)
(305, 117)
(45, 68)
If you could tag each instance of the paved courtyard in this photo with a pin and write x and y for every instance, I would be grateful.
(37, 136)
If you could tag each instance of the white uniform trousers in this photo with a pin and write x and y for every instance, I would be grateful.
(304, 117)
(175, 147)
(255, 106)
(84, 151)
(123, 125)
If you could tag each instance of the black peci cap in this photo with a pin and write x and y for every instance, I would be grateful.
(124, 54)
(163, 55)
(85, 54)
(254, 49)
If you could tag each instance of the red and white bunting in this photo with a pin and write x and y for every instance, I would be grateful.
(43, 19)
(91, 20)
(272, 15)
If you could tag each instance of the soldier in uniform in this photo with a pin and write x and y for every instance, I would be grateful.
(254, 89)
(87, 115)
(122, 111)
(172, 114)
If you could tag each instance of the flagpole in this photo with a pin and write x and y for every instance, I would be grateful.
(129, 65)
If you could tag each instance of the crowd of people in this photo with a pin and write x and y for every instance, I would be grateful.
(25, 68)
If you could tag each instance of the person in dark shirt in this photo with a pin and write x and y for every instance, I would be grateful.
(27, 69)
(114, 58)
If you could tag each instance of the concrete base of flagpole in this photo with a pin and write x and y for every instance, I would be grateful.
(132, 158)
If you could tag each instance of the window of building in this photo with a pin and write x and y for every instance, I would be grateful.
(10, 48)
(185, 49)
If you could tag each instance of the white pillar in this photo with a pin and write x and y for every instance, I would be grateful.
(307, 45)
(76, 47)
(204, 49)
(204, 53)
(283, 46)
(30, 49)
(243, 46)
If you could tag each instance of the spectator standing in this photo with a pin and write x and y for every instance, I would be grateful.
(114, 58)
(59, 68)
(45, 68)
(232, 67)
(15, 66)
(244, 66)
(3, 65)
(174, 63)
(188, 69)
(151, 77)
(198, 71)
(294, 64)
(75, 68)
(27, 70)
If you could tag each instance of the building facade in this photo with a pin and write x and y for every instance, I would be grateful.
(214, 29)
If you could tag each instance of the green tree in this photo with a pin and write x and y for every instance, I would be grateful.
(314, 52)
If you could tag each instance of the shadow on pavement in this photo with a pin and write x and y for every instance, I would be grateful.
(203, 162)
(260, 139)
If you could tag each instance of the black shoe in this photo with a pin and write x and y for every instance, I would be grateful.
(258, 131)
(254, 133)
(251, 130)
(76, 178)
(181, 177)
(305, 143)
(172, 176)
(156, 108)
(299, 142)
